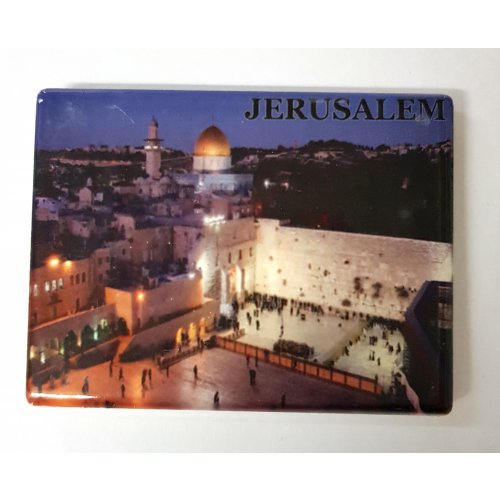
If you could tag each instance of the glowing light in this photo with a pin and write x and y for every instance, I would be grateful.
(211, 220)
(54, 262)
(140, 296)
(61, 396)
(67, 264)
(266, 183)
(191, 276)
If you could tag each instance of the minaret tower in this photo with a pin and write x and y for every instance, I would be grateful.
(152, 149)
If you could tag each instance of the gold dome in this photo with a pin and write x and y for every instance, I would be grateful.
(212, 142)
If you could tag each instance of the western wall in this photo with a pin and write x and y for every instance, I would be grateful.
(376, 275)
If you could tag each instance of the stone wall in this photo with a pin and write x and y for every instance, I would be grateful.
(345, 270)
(139, 307)
(168, 332)
(62, 287)
(220, 251)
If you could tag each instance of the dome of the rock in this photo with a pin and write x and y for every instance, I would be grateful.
(212, 142)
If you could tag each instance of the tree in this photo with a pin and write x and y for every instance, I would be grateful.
(70, 344)
(122, 327)
(87, 337)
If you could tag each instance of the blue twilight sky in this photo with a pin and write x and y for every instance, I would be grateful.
(73, 118)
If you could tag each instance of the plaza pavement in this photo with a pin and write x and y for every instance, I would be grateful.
(218, 370)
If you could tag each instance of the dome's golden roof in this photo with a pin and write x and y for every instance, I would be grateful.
(212, 142)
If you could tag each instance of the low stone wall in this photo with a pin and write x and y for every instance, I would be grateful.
(153, 340)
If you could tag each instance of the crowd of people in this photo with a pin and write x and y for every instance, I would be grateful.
(264, 302)
(376, 353)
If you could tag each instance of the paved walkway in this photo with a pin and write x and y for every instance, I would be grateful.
(328, 334)
(359, 360)
(218, 370)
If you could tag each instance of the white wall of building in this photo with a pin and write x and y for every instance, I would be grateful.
(321, 266)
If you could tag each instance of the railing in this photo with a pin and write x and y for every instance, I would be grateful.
(175, 358)
(340, 377)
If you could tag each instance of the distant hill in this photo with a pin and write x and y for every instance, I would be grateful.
(402, 191)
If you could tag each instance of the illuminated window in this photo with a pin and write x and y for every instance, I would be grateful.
(35, 290)
(54, 285)
(47, 286)
(77, 279)
(61, 282)
(84, 277)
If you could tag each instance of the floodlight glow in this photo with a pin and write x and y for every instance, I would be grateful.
(213, 220)
(54, 262)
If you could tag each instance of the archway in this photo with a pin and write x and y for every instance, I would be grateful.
(242, 282)
(181, 337)
(192, 332)
(238, 281)
(202, 328)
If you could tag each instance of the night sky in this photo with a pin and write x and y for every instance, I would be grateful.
(75, 118)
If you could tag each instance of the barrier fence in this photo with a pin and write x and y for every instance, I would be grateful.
(340, 377)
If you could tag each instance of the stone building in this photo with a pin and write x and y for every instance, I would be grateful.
(63, 287)
(224, 252)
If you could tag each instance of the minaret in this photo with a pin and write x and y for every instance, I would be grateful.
(152, 149)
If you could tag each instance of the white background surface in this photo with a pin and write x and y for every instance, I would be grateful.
(471, 78)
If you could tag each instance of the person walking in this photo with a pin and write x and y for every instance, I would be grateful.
(122, 389)
(283, 400)
(216, 399)
(85, 387)
(257, 324)
(150, 375)
(120, 374)
(143, 377)
(195, 371)
(111, 368)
